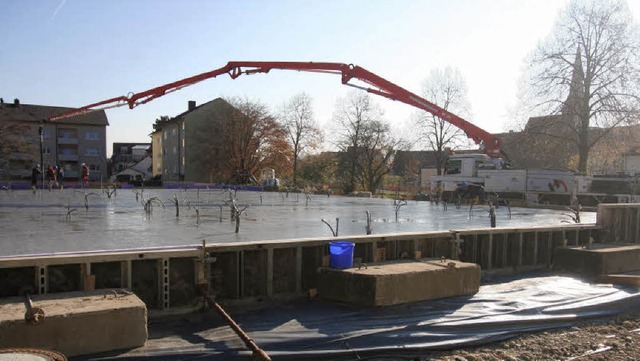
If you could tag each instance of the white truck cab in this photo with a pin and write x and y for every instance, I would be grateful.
(464, 168)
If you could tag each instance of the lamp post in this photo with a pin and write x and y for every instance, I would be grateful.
(41, 133)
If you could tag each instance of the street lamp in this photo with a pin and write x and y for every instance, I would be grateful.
(41, 133)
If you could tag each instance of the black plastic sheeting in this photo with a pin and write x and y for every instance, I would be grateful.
(319, 330)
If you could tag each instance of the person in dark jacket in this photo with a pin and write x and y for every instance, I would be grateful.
(35, 174)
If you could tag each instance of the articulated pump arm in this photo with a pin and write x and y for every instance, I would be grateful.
(490, 144)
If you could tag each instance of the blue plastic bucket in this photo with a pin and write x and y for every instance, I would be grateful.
(341, 254)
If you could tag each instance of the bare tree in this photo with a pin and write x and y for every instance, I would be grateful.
(352, 114)
(586, 76)
(378, 150)
(448, 89)
(302, 130)
(365, 142)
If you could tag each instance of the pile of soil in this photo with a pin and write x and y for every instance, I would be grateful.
(617, 339)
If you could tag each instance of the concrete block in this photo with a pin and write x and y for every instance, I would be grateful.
(600, 259)
(632, 280)
(76, 323)
(397, 282)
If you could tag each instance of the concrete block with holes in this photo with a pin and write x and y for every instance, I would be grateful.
(76, 323)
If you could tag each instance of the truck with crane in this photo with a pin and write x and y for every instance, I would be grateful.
(372, 83)
(536, 186)
(545, 187)
(487, 169)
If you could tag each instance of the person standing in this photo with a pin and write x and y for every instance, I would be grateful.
(51, 177)
(85, 175)
(35, 174)
(60, 176)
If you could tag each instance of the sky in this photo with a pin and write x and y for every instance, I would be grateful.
(75, 52)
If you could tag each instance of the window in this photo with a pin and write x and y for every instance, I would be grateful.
(46, 150)
(164, 134)
(175, 150)
(92, 151)
(46, 133)
(66, 134)
(92, 136)
(94, 167)
(454, 166)
(124, 150)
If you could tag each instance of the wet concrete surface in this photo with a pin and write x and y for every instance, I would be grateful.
(58, 221)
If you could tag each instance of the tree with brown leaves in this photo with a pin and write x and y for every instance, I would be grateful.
(253, 140)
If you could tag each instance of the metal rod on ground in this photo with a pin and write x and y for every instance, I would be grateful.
(33, 315)
(258, 353)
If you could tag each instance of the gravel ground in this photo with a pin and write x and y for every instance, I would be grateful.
(615, 340)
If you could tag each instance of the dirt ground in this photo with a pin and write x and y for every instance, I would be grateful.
(615, 340)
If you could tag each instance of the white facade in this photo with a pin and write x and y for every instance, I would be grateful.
(139, 171)
(632, 163)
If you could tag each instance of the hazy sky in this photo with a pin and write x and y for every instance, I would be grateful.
(73, 53)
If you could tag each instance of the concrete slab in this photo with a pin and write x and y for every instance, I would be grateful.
(41, 225)
(600, 259)
(390, 283)
(76, 323)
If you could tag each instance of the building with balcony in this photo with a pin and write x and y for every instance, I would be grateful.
(68, 142)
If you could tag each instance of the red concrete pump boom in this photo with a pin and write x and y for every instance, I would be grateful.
(489, 143)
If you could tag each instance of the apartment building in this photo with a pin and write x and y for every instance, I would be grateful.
(67, 142)
(188, 147)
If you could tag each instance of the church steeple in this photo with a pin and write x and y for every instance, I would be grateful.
(576, 88)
